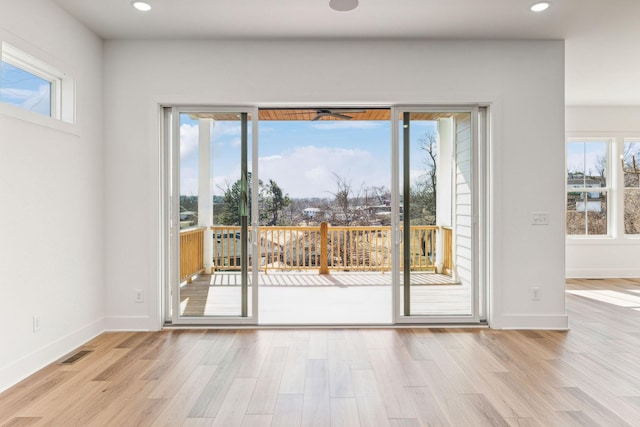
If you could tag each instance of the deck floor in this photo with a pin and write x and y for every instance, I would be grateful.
(310, 298)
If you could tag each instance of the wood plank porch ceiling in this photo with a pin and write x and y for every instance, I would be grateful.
(279, 114)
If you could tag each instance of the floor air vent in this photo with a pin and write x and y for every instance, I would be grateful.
(75, 357)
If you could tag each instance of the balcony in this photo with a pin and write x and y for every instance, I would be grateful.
(321, 260)
(323, 248)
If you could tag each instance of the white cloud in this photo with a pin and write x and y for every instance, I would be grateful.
(225, 128)
(39, 100)
(188, 139)
(188, 182)
(32, 100)
(308, 171)
(16, 94)
(271, 158)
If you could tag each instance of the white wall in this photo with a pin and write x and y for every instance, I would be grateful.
(51, 207)
(523, 80)
(615, 256)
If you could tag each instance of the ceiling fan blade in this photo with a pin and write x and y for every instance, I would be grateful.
(348, 110)
(322, 114)
(340, 116)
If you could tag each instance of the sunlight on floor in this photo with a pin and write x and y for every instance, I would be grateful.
(621, 299)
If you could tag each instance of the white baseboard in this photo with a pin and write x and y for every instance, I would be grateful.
(127, 323)
(33, 362)
(532, 321)
(602, 273)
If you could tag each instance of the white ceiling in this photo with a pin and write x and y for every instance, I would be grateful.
(602, 36)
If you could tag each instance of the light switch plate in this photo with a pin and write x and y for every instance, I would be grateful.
(539, 218)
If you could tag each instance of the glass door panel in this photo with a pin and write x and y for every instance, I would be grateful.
(435, 211)
(211, 209)
(324, 216)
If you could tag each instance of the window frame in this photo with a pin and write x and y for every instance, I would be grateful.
(609, 189)
(623, 187)
(62, 89)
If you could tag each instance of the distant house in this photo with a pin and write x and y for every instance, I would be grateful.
(578, 180)
(593, 202)
(313, 213)
(187, 215)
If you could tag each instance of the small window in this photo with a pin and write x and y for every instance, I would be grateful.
(33, 85)
(631, 168)
(587, 188)
(24, 89)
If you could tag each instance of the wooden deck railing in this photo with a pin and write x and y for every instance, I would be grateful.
(359, 248)
(191, 252)
(290, 248)
(423, 248)
(324, 248)
(447, 258)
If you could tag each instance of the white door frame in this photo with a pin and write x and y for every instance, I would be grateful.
(170, 166)
(396, 168)
(173, 219)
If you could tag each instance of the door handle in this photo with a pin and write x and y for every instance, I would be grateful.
(399, 237)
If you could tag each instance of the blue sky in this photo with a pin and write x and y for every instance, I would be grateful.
(584, 156)
(23, 89)
(301, 156)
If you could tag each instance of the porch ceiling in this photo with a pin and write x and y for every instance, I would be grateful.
(282, 114)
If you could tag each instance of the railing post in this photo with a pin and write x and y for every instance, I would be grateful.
(324, 248)
(438, 261)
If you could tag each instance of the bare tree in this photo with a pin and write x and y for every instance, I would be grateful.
(601, 169)
(345, 202)
(429, 144)
(381, 193)
(632, 189)
(422, 208)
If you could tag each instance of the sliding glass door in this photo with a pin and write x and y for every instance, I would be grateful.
(210, 164)
(436, 211)
(318, 221)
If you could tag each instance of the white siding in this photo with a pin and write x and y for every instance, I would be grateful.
(463, 262)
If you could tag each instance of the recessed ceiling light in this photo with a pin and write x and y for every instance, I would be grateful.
(343, 5)
(141, 6)
(539, 7)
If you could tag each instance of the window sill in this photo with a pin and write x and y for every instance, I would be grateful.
(605, 240)
(18, 113)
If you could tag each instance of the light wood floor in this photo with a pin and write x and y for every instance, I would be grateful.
(350, 377)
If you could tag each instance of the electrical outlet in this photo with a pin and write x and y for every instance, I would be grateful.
(539, 218)
(139, 296)
(36, 324)
(535, 293)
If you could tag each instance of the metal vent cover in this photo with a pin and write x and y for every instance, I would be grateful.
(75, 357)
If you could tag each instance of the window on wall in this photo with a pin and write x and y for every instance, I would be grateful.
(631, 168)
(24, 89)
(33, 85)
(587, 187)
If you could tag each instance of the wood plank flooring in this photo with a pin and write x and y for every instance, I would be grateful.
(354, 377)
